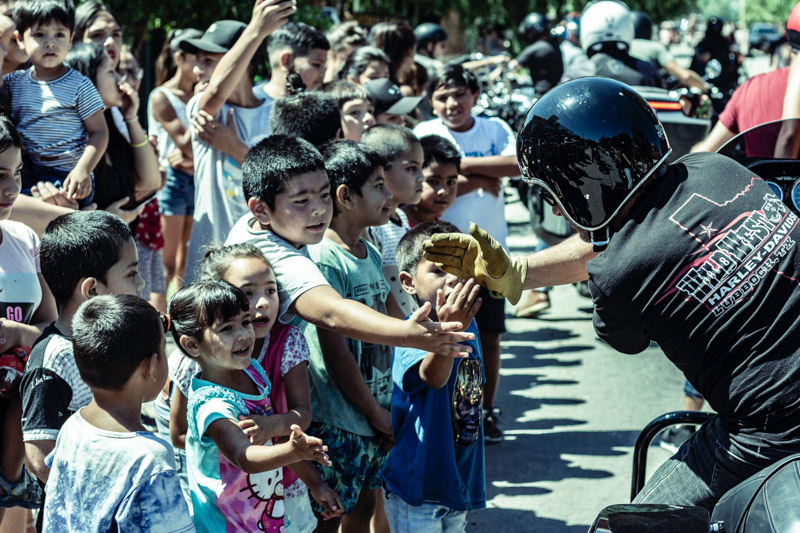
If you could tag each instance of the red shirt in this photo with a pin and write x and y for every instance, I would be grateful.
(758, 100)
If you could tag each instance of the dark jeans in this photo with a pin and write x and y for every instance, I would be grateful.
(709, 464)
(56, 177)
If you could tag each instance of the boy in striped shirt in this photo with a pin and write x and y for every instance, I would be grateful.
(58, 111)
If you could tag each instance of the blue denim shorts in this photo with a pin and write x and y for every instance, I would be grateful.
(177, 196)
(688, 390)
(425, 518)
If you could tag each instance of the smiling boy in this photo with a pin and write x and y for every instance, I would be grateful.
(441, 164)
(488, 150)
(58, 111)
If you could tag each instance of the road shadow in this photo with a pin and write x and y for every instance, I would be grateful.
(504, 520)
(539, 334)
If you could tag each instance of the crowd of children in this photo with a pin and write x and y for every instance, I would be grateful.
(325, 375)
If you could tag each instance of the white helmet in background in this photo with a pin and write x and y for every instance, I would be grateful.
(606, 21)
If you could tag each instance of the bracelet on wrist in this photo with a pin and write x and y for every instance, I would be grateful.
(132, 119)
(139, 145)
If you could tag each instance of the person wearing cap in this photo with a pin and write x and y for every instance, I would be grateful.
(390, 106)
(758, 100)
(227, 118)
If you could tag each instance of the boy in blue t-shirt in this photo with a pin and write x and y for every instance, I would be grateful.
(435, 471)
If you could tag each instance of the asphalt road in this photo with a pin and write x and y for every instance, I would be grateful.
(572, 409)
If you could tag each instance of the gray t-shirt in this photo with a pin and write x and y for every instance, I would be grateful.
(218, 196)
(294, 271)
(360, 280)
(651, 51)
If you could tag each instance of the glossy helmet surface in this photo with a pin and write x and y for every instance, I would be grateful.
(590, 143)
(429, 32)
(642, 25)
(533, 27)
(606, 21)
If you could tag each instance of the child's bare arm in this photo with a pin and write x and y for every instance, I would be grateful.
(322, 493)
(345, 373)
(35, 453)
(78, 183)
(268, 15)
(497, 166)
(325, 308)
(178, 423)
(461, 304)
(474, 181)
(165, 114)
(298, 399)
(250, 458)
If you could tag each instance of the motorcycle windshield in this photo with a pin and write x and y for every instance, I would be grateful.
(779, 139)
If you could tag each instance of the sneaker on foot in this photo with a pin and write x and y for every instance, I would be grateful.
(674, 437)
(24, 493)
(532, 304)
(492, 434)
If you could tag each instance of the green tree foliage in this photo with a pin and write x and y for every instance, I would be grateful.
(776, 11)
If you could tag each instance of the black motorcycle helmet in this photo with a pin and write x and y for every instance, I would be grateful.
(714, 27)
(429, 32)
(533, 27)
(642, 25)
(590, 143)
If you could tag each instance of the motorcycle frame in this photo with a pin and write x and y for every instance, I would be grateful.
(647, 435)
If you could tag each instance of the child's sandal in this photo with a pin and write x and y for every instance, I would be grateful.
(24, 493)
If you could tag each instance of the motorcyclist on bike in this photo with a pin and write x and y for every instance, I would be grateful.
(645, 48)
(541, 56)
(715, 46)
(698, 256)
(760, 99)
(606, 35)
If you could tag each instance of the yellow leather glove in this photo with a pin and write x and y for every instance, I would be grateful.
(478, 256)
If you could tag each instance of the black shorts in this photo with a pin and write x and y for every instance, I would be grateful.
(491, 316)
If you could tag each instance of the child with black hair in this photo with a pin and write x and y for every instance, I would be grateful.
(236, 484)
(365, 64)
(282, 351)
(441, 165)
(488, 150)
(436, 406)
(58, 111)
(295, 48)
(228, 117)
(107, 472)
(344, 38)
(403, 152)
(310, 115)
(83, 254)
(355, 107)
(350, 379)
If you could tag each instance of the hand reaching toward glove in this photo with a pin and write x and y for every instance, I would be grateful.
(478, 256)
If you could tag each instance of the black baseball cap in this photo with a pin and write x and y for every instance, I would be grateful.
(387, 98)
(218, 38)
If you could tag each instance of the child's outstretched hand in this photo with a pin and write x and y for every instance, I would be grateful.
(461, 304)
(328, 499)
(436, 337)
(259, 429)
(78, 184)
(308, 447)
(269, 15)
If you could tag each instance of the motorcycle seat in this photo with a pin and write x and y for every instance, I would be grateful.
(766, 502)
